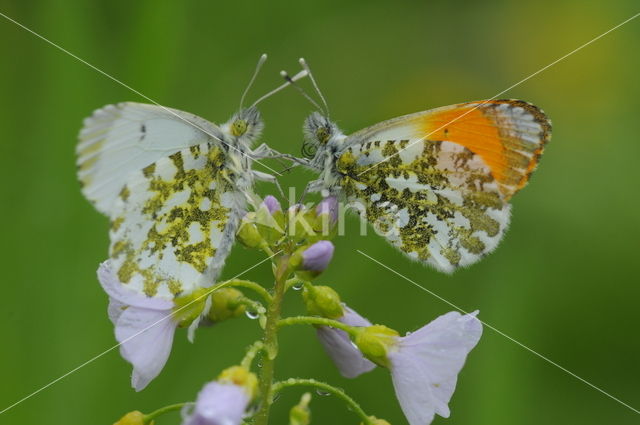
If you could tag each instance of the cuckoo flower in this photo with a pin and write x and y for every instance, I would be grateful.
(223, 402)
(348, 359)
(143, 326)
(425, 364)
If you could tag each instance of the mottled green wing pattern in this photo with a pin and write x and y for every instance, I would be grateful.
(436, 201)
(174, 222)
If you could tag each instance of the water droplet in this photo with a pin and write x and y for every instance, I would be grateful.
(322, 393)
(298, 286)
(252, 314)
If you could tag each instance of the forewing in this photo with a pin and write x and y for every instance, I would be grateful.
(119, 139)
(436, 201)
(174, 223)
(507, 135)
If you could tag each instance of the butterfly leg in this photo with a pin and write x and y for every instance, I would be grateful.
(264, 151)
(264, 177)
(312, 186)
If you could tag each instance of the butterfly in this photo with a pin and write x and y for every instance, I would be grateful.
(174, 186)
(436, 184)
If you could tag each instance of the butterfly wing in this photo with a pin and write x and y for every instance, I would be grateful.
(440, 194)
(508, 135)
(174, 222)
(126, 137)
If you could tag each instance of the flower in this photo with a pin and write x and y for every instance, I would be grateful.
(271, 203)
(425, 364)
(143, 327)
(219, 404)
(347, 357)
(316, 258)
(223, 402)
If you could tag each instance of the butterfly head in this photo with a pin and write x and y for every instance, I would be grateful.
(319, 133)
(246, 126)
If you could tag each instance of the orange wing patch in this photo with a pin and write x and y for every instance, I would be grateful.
(509, 136)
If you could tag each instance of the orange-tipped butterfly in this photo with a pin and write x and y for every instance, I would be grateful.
(436, 184)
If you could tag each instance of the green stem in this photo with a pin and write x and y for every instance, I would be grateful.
(351, 403)
(271, 342)
(253, 350)
(313, 320)
(295, 281)
(253, 286)
(151, 416)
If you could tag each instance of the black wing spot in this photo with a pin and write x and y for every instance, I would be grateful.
(143, 130)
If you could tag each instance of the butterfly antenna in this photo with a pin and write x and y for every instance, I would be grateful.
(261, 61)
(289, 82)
(305, 66)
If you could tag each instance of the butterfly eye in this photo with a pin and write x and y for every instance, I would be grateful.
(239, 127)
(309, 149)
(323, 134)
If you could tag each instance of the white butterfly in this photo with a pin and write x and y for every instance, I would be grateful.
(174, 186)
(435, 184)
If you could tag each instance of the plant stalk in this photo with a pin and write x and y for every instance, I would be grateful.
(271, 342)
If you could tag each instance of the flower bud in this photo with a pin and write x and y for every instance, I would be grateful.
(300, 414)
(300, 224)
(329, 207)
(242, 377)
(248, 234)
(375, 342)
(310, 261)
(225, 304)
(270, 221)
(322, 301)
(375, 421)
(132, 418)
(271, 203)
(326, 218)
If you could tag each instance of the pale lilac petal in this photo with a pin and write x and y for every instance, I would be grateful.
(218, 404)
(146, 337)
(317, 257)
(115, 309)
(116, 290)
(272, 204)
(328, 205)
(347, 358)
(426, 363)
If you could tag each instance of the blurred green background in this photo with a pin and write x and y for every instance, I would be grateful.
(564, 281)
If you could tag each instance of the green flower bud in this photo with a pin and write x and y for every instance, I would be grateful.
(225, 304)
(300, 414)
(133, 418)
(270, 224)
(189, 307)
(248, 234)
(322, 301)
(375, 342)
(300, 223)
(376, 421)
(242, 377)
